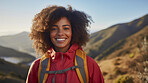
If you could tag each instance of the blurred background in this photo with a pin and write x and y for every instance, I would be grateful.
(118, 37)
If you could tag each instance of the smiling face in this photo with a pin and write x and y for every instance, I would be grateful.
(60, 35)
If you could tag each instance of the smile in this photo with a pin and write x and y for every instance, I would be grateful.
(60, 39)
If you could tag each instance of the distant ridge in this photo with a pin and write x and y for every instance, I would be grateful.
(20, 42)
(102, 40)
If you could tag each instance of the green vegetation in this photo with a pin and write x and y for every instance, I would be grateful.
(124, 79)
(131, 55)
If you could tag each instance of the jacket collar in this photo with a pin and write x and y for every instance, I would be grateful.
(70, 53)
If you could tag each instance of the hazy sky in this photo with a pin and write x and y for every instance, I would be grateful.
(16, 15)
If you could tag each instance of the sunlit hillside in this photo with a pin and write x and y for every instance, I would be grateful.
(127, 60)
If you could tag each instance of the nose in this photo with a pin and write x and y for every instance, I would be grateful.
(60, 32)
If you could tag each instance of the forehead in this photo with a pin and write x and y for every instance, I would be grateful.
(63, 20)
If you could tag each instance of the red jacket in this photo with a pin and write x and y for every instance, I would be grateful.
(95, 75)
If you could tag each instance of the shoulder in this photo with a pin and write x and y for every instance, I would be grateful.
(35, 64)
(93, 67)
(33, 72)
(91, 61)
(95, 75)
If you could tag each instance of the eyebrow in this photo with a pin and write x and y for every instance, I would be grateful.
(62, 25)
(66, 25)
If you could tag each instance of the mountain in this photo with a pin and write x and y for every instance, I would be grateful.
(130, 44)
(102, 40)
(20, 42)
(12, 73)
(16, 55)
(127, 60)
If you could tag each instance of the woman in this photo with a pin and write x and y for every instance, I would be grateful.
(58, 33)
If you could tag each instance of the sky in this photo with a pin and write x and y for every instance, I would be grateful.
(16, 15)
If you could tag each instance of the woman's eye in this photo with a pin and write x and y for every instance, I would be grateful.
(66, 28)
(53, 29)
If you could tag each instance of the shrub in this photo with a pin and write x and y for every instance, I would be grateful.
(119, 71)
(124, 79)
(131, 55)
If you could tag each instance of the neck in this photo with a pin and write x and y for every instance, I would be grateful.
(64, 50)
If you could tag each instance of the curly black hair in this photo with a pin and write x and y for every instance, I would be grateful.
(44, 20)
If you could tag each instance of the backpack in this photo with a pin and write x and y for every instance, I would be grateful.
(80, 65)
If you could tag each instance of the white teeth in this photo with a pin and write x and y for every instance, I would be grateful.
(60, 39)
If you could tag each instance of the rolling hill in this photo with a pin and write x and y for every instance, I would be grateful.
(127, 59)
(20, 42)
(102, 40)
(9, 52)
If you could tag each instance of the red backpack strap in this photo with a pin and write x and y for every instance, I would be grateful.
(43, 66)
(81, 62)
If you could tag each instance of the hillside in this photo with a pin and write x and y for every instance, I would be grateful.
(102, 40)
(125, 45)
(127, 61)
(12, 73)
(20, 42)
(8, 52)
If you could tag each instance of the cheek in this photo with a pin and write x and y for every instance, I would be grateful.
(70, 34)
(52, 37)
(52, 34)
